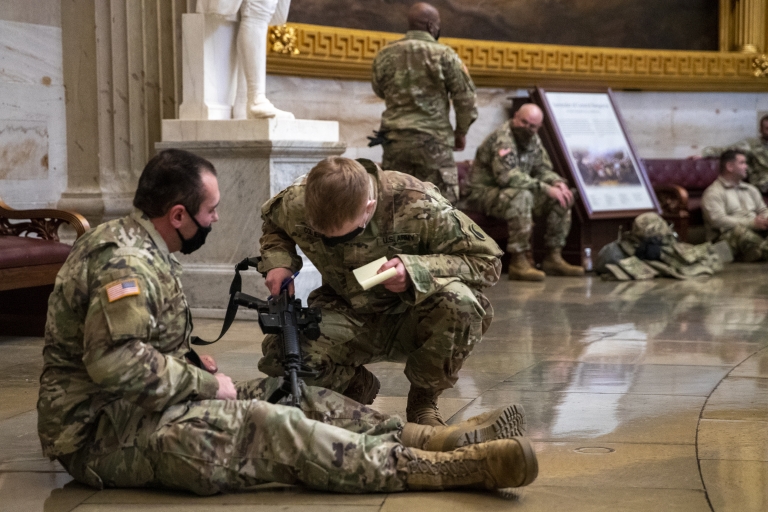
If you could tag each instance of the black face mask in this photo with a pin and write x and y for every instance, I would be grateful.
(437, 36)
(190, 245)
(522, 135)
(333, 241)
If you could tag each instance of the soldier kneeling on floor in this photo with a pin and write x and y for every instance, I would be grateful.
(348, 213)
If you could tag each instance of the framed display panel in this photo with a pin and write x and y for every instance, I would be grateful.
(585, 136)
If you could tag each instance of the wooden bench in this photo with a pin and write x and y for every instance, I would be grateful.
(31, 255)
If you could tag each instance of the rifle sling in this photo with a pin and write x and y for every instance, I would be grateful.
(235, 287)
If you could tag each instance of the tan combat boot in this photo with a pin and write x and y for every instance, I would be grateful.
(493, 465)
(555, 265)
(363, 387)
(502, 423)
(521, 270)
(422, 407)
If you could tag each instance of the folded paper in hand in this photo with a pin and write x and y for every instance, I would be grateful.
(367, 276)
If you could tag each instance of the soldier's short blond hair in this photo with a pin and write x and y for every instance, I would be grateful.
(336, 192)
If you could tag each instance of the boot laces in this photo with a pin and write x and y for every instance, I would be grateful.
(454, 468)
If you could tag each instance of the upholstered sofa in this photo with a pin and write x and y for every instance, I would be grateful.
(679, 185)
(31, 255)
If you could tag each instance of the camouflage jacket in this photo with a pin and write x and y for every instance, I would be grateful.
(436, 243)
(117, 330)
(756, 150)
(500, 163)
(418, 77)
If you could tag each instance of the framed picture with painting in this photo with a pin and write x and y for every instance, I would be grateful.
(586, 139)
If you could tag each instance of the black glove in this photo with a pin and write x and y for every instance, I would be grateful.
(378, 138)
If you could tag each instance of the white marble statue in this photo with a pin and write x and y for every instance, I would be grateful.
(255, 18)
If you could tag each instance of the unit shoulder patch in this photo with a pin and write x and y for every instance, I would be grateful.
(476, 231)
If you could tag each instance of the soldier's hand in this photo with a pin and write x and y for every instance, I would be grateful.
(209, 364)
(400, 282)
(559, 195)
(566, 191)
(275, 278)
(227, 389)
(761, 223)
(459, 141)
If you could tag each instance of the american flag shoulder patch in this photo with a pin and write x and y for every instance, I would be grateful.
(121, 289)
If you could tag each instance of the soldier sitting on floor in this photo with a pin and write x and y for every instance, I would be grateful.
(734, 211)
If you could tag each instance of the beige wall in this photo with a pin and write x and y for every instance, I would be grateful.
(660, 124)
(36, 12)
(33, 158)
(33, 121)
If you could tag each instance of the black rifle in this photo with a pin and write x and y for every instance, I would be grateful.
(281, 315)
(284, 315)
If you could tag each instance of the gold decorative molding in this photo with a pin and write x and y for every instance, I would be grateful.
(760, 65)
(331, 52)
(282, 40)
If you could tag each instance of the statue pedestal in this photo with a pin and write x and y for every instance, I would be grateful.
(255, 159)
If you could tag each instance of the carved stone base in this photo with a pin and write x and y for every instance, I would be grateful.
(249, 173)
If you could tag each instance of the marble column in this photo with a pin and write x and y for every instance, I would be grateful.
(743, 25)
(122, 76)
(255, 159)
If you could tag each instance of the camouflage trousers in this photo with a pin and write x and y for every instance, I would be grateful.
(211, 446)
(747, 245)
(517, 207)
(433, 338)
(424, 158)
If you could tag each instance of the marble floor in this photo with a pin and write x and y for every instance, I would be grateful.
(639, 395)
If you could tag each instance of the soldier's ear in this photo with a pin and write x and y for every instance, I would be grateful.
(176, 215)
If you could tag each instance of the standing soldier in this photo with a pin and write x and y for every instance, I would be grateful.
(418, 78)
(512, 178)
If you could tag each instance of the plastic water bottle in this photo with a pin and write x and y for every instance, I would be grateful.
(587, 259)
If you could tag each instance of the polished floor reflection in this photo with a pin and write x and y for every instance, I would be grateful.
(640, 396)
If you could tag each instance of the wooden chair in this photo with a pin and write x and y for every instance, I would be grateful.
(31, 255)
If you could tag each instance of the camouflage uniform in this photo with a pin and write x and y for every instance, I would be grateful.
(418, 78)
(510, 183)
(651, 249)
(120, 406)
(729, 214)
(756, 150)
(432, 326)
